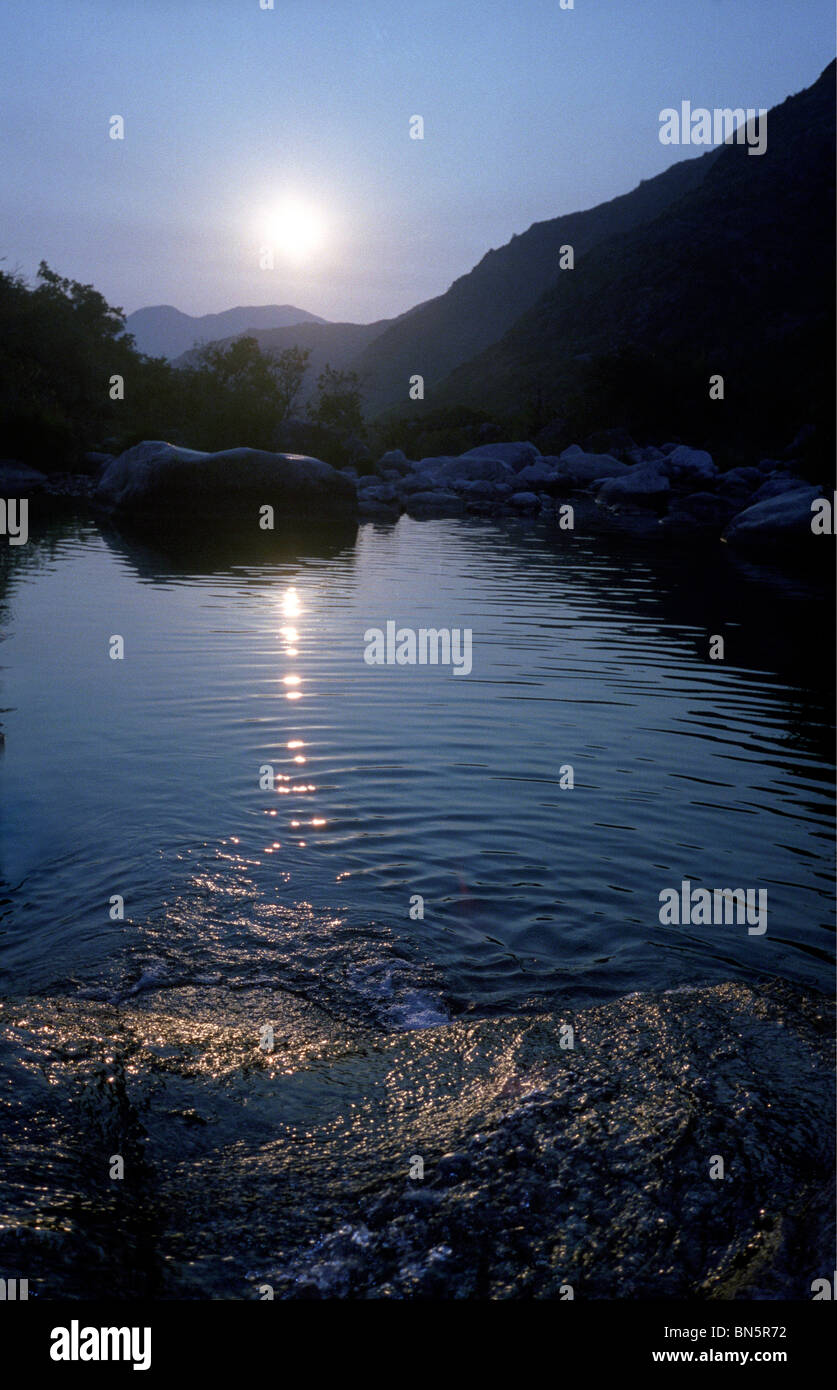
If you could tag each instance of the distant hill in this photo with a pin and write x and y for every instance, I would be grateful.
(163, 331)
(337, 344)
(735, 277)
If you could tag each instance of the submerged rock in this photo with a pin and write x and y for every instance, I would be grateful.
(543, 1165)
(155, 478)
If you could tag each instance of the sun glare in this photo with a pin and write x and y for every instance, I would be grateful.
(293, 229)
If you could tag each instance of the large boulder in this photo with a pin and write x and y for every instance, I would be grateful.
(516, 456)
(158, 479)
(777, 521)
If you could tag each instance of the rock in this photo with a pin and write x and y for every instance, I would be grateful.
(770, 466)
(466, 468)
(480, 490)
(775, 487)
(668, 448)
(417, 482)
(158, 479)
(525, 501)
(739, 482)
(648, 454)
(691, 465)
(394, 459)
(18, 479)
(581, 469)
(516, 456)
(537, 473)
(376, 492)
(440, 502)
(777, 521)
(643, 485)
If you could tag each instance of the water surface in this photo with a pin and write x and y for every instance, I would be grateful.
(140, 777)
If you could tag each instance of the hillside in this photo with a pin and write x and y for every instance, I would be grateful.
(736, 278)
(163, 331)
(480, 306)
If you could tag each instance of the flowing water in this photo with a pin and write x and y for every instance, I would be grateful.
(421, 858)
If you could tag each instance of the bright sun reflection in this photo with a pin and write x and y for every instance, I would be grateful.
(292, 608)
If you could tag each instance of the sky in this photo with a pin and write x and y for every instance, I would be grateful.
(248, 128)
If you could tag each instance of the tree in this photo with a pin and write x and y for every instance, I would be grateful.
(238, 395)
(289, 368)
(338, 401)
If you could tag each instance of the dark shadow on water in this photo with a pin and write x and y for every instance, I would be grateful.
(172, 549)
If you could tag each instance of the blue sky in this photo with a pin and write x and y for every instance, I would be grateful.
(530, 111)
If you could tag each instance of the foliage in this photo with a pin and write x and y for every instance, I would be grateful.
(337, 404)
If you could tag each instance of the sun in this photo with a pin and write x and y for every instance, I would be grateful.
(293, 229)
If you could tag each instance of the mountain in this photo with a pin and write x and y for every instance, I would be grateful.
(163, 331)
(735, 277)
(479, 307)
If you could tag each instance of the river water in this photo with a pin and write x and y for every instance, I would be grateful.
(417, 859)
(141, 777)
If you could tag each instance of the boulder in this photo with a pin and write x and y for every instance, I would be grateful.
(525, 501)
(778, 521)
(161, 480)
(516, 456)
(689, 465)
(480, 490)
(439, 502)
(580, 469)
(19, 480)
(774, 487)
(643, 485)
(739, 482)
(394, 459)
(467, 468)
(417, 482)
(537, 473)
